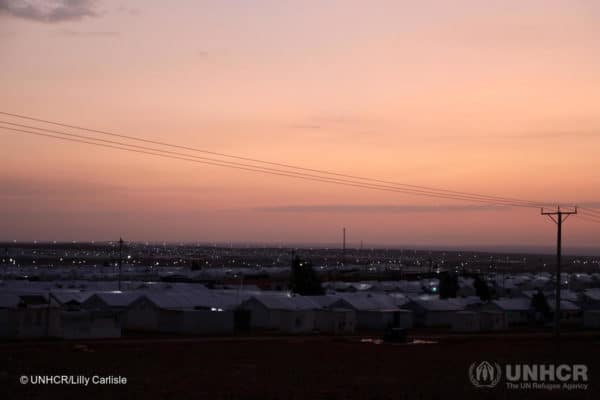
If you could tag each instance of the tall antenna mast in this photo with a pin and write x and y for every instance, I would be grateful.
(344, 246)
(120, 260)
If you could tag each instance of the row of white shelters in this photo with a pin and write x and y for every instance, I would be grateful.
(565, 294)
(84, 324)
(590, 299)
(197, 313)
(466, 314)
(56, 315)
(178, 311)
(516, 310)
(28, 316)
(337, 321)
(289, 314)
(79, 323)
(113, 301)
(375, 311)
(569, 312)
(435, 312)
(466, 321)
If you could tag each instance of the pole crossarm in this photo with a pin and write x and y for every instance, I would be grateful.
(559, 212)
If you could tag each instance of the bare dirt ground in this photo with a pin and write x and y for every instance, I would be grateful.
(289, 367)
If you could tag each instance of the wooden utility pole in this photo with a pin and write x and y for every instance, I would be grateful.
(558, 217)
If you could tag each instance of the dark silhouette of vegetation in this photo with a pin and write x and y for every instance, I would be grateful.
(482, 289)
(540, 305)
(448, 286)
(196, 265)
(304, 279)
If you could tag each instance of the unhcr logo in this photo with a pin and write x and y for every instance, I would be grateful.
(485, 374)
(547, 376)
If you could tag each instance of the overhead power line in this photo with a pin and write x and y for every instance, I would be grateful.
(537, 204)
(473, 197)
(259, 166)
(588, 217)
(160, 153)
(590, 211)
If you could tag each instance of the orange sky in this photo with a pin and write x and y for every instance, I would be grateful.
(491, 97)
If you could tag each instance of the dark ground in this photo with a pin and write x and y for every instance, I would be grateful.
(288, 368)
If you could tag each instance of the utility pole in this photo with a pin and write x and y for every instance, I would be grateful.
(120, 260)
(343, 246)
(558, 217)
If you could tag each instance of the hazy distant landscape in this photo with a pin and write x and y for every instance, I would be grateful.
(41, 259)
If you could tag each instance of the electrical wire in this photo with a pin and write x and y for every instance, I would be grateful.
(319, 171)
(179, 156)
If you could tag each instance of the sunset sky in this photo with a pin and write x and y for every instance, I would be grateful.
(493, 97)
